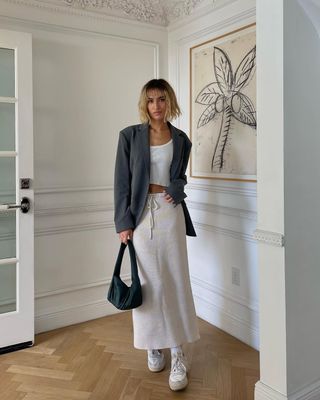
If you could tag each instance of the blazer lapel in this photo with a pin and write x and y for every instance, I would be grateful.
(145, 148)
(177, 141)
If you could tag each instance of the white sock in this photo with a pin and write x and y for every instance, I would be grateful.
(176, 350)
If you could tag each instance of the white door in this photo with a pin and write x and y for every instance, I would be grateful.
(16, 183)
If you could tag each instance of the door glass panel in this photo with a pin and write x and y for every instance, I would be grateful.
(7, 177)
(8, 273)
(7, 126)
(8, 235)
(8, 288)
(7, 218)
(7, 73)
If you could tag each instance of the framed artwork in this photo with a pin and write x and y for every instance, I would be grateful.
(223, 107)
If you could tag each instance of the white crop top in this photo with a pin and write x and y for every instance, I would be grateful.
(160, 162)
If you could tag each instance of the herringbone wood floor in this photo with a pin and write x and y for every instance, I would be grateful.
(95, 360)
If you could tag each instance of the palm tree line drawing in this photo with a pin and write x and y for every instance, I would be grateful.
(224, 99)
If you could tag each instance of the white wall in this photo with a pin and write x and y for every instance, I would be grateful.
(87, 74)
(270, 193)
(288, 83)
(301, 194)
(224, 212)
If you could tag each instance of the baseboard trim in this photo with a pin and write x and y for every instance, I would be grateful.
(79, 313)
(235, 326)
(264, 392)
(309, 392)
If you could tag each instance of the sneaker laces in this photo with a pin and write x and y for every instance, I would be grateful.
(178, 366)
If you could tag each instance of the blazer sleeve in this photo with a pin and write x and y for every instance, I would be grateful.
(176, 187)
(122, 186)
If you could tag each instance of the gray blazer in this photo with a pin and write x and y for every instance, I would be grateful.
(132, 175)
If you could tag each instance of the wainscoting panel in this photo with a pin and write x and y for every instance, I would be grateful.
(75, 251)
(223, 259)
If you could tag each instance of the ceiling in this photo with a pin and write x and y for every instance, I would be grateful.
(158, 12)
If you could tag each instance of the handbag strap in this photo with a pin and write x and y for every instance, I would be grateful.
(133, 261)
(117, 267)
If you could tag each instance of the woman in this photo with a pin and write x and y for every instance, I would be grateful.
(149, 209)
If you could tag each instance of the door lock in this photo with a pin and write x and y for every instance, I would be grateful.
(25, 183)
(24, 206)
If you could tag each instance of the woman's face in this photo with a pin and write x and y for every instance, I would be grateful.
(156, 105)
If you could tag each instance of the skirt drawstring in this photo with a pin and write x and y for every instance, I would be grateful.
(152, 206)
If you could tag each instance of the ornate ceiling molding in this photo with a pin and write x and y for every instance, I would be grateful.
(159, 12)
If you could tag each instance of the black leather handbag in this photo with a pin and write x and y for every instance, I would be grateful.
(119, 294)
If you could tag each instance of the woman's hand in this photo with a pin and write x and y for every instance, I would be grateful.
(168, 198)
(125, 235)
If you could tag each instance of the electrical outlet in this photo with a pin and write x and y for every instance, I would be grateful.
(236, 276)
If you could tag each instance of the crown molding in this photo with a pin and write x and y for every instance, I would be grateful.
(59, 9)
(181, 36)
(147, 11)
(144, 13)
(206, 8)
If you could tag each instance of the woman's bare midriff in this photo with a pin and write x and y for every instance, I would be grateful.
(153, 188)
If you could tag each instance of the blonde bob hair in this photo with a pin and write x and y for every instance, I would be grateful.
(173, 109)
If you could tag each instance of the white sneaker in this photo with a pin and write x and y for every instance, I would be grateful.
(178, 379)
(156, 360)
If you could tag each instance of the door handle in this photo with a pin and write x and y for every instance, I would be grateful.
(24, 206)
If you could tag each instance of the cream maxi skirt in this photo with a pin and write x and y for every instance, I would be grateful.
(167, 316)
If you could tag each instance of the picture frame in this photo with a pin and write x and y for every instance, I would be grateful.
(223, 107)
